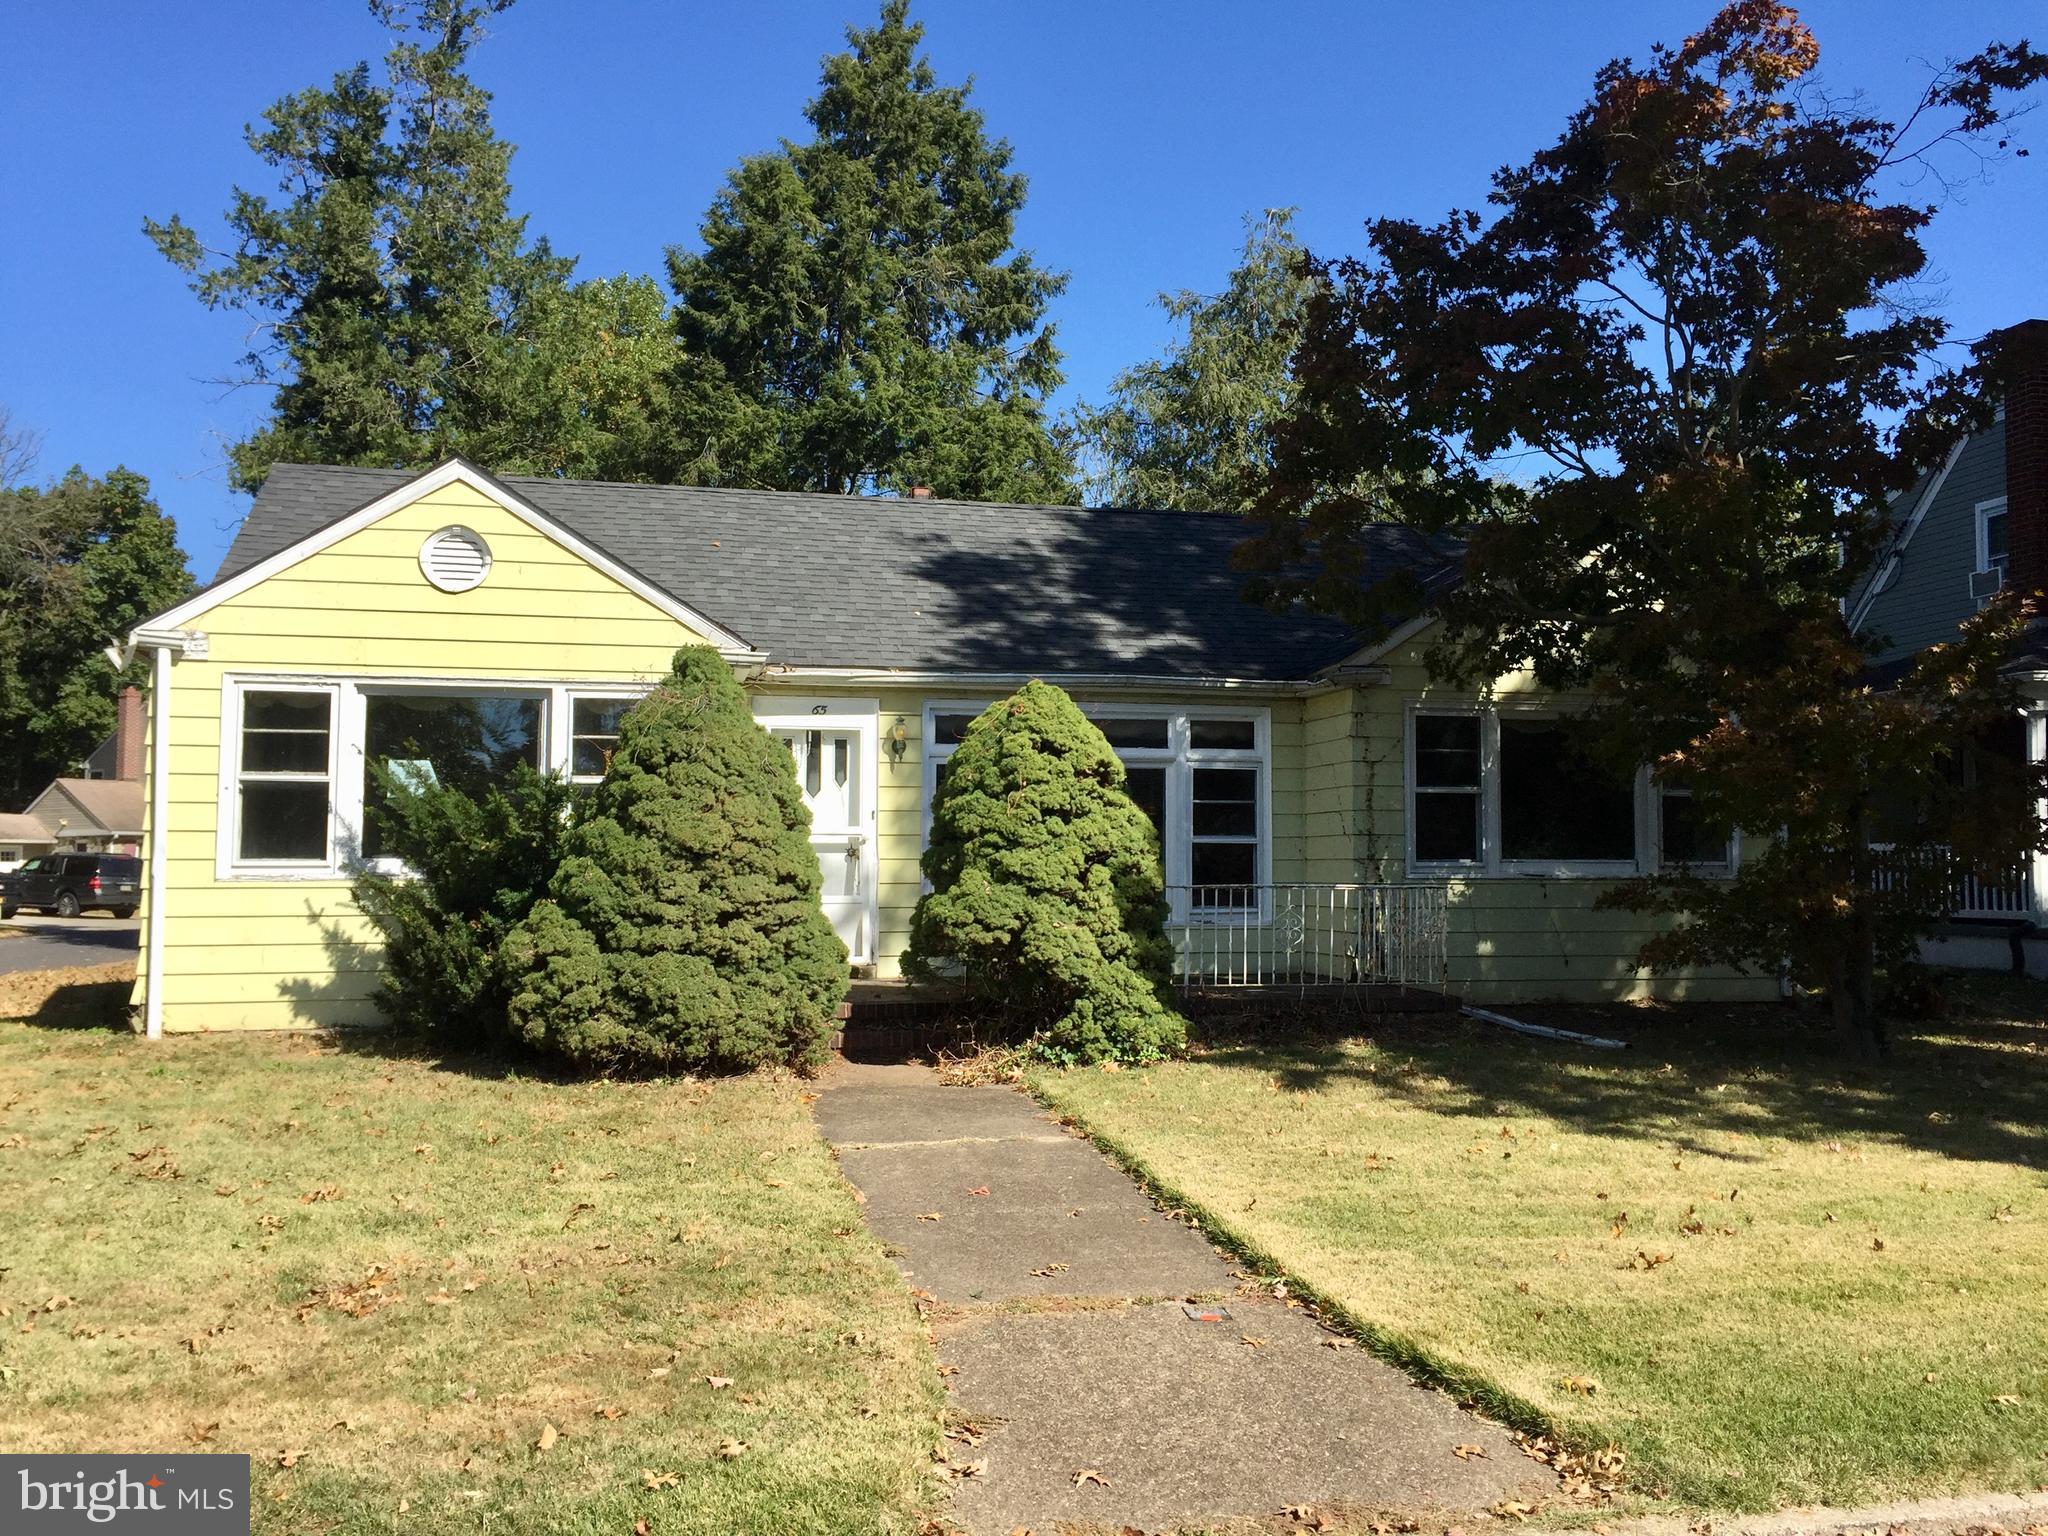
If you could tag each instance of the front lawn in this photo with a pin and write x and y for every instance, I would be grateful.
(1767, 1279)
(434, 1300)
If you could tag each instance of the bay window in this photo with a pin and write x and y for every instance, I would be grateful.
(1199, 775)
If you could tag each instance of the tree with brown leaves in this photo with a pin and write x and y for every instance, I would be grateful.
(1663, 387)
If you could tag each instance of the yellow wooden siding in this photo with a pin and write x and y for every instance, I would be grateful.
(1514, 938)
(254, 954)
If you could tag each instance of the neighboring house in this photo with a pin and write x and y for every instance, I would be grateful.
(1974, 523)
(21, 838)
(92, 815)
(453, 618)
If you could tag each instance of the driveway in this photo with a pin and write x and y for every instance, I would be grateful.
(57, 943)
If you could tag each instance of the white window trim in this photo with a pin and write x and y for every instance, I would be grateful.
(346, 746)
(562, 706)
(1178, 757)
(1984, 512)
(228, 861)
(1491, 864)
(1712, 868)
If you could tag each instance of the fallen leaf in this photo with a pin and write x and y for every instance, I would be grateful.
(1467, 1452)
(930, 1216)
(1090, 1475)
(730, 1449)
(2006, 1400)
(1050, 1270)
(641, 1527)
(1251, 1342)
(1513, 1508)
(978, 1190)
(718, 1383)
(653, 1479)
(548, 1436)
(289, 1459)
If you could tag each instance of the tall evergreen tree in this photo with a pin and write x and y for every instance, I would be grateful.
(80, 562)
(859, 318)
(402, 310)
(1189, 429)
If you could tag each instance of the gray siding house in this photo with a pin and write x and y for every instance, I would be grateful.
(1974, 523)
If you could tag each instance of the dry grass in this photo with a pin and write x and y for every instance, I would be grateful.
(1768, 1279)
(389, 1282)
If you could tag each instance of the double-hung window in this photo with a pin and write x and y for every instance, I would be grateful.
(594, 736)
(283, 793)
(1686, 837)
(1199, 775)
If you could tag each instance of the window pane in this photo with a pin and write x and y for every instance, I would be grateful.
(1222, 735)
(1447, 829)
(284, 821)
(1225, 864)
(950, 730)
(1147, 786)
(591, 756)
(1134, 733)
(1556, 804)
(1226, 802)
(469, 742)
(599, 717)
(1994, 537)
(1447, 750)
(1688, 838)
(284, 732)
(284, 711)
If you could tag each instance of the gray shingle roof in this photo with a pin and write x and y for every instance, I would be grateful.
(820, 580)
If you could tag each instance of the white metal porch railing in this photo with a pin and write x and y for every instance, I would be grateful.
(1967, 894)
(1308, 935)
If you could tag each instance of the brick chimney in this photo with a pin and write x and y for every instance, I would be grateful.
(2026, 468)
(920, 493)
(128, 734)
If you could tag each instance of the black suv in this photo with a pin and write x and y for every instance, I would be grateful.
(70, 883)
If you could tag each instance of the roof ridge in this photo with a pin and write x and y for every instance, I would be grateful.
(778, 494)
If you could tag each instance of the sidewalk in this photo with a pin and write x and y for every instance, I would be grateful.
(1095, 1394)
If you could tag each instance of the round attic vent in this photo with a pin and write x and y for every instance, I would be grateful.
(455, 559)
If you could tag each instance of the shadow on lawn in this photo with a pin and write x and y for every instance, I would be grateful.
(1972, 1086)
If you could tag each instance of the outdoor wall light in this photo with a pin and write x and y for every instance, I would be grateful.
(897, 739)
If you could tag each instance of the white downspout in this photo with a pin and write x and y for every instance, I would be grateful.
(159, 835)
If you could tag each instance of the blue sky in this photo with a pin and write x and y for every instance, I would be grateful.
(1147, 130)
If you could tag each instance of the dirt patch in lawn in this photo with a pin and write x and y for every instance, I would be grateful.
(90, 996)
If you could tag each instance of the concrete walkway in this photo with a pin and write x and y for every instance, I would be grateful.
(1059, 1311)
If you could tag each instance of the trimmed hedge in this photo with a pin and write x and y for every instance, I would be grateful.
(1047, 898)
(684, 929)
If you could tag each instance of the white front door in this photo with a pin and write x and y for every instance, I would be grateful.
(834, 760)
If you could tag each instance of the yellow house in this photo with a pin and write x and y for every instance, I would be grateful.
(461, 622)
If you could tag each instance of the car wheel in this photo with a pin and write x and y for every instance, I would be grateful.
(67, 905)
(123, 913)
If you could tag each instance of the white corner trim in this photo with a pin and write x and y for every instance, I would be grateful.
(1387, 644)
(159, 837)
(450, 472)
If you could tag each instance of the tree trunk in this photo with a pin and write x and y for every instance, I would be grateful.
(1852, 984)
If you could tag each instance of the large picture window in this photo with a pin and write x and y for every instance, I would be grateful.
(468, 741)
(1514, 791)
(284, 778)
(1199, 775)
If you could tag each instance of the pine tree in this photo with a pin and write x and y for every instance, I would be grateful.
(685, 928)
(405, 315)
(1189, 430)
(1047, 899)
(858, 318)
